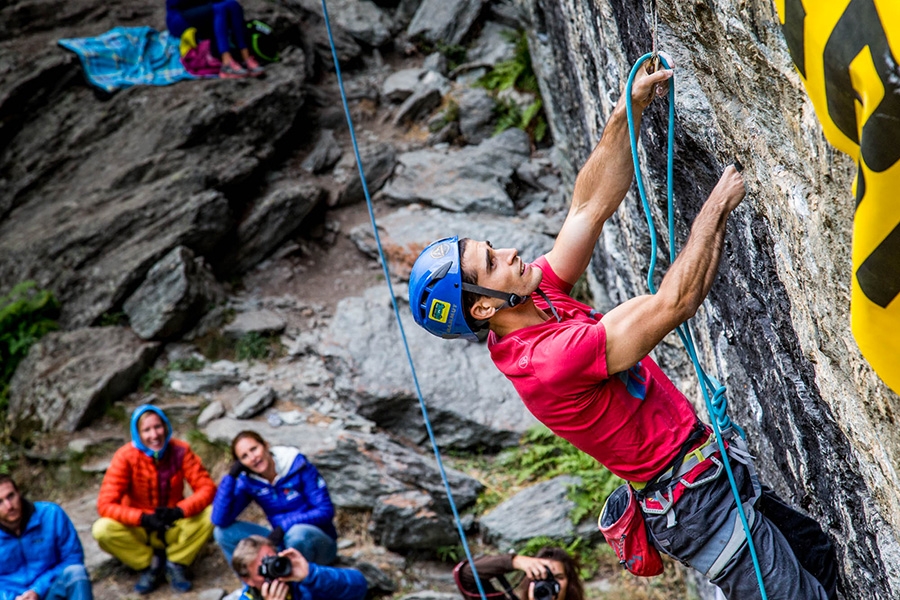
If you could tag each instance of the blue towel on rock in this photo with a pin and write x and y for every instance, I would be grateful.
(127, 56)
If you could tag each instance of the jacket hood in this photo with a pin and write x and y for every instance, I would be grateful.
(136, 436)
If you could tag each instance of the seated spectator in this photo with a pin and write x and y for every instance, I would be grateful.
(145, 520)
(305, 581)
(40, 553)
(226, 19)
(550, 565)
(290, 492)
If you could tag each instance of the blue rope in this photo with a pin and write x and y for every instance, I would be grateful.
(713, 391)
(387, 278)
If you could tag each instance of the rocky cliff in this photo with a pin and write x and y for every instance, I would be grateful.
(776, 326)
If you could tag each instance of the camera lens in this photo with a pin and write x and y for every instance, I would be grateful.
(543, 590)
(272, 567)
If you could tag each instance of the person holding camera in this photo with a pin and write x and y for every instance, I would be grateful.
(290, 492)
(270, 575)
(550, 575)
(145, 519)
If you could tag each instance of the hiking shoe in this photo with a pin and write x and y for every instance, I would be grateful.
(148, 580)
(232, 70)
(177, 577)
(254, 69)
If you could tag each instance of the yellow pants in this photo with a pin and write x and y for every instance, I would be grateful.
(132, 546)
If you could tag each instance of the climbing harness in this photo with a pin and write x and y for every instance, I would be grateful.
(387, 278)
(710, 560)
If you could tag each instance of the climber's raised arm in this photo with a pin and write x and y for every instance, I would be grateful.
(603, 180)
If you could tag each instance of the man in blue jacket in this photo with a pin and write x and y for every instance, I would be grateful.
(40, 554)
(306, 581)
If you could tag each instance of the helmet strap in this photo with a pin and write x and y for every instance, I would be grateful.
(509, 300)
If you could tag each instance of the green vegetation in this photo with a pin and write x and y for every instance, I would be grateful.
(455, 55)
(26, 314)
(449, 114)
(113, 319)
(543, 455)
(210, 453)
(188, 363)
(254, 346)
(517, 73)
(158, 377)
(450, 554)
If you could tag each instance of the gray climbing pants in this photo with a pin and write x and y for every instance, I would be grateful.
(705, 519)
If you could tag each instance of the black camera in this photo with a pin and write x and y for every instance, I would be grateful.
(546, 588)
(272, 567)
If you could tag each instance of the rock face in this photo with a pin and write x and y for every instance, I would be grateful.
(68, 377)
(776, 326)
(175, 292)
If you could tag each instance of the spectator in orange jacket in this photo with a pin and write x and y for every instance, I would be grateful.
(145, 520)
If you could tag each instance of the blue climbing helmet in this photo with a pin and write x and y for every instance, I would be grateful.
(436, 288)
(435, 291)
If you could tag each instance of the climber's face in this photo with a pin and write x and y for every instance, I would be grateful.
(499, 269)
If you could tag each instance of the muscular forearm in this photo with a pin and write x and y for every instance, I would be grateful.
(606, 176)
(691, 276)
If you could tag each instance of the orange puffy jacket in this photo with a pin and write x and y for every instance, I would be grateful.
(131, 487)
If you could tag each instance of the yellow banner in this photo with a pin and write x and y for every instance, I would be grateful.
(846, 52)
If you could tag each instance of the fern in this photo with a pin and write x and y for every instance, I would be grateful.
(26, 314)
(517, 72)
(543, 455)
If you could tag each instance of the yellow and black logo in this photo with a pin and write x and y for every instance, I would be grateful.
(439, 311)
(846, 51)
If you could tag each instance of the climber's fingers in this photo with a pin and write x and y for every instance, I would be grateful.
(647, 85)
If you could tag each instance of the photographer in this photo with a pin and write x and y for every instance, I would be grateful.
(551, 575)
(269, 575)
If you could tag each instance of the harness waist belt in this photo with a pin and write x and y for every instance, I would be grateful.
(691, 460)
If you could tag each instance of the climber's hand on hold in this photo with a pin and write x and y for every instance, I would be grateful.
(646, 85)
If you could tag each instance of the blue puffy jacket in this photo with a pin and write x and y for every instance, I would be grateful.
(298, 495)
(323, 583)
(34, 559)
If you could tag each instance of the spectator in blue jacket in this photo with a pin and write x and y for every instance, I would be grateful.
(40, 553)
(307, 581)
(290, 492)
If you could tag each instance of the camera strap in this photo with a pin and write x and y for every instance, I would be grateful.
(510, 594)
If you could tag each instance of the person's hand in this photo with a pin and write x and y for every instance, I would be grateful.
(274, 590)
(236, 469)
(730, 189)
(152, 522)
(299, 566)
(533, 567)
(647, 86)
(29, 595)
(169, 515)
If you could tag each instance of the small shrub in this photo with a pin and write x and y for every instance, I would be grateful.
(252, 346)
(450, 554)
(152, 379)
(26, 314)
(189, 363)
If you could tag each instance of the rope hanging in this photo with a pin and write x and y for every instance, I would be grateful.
(713, 391)
(387, 278)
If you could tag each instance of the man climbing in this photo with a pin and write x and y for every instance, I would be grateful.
(588, 378)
